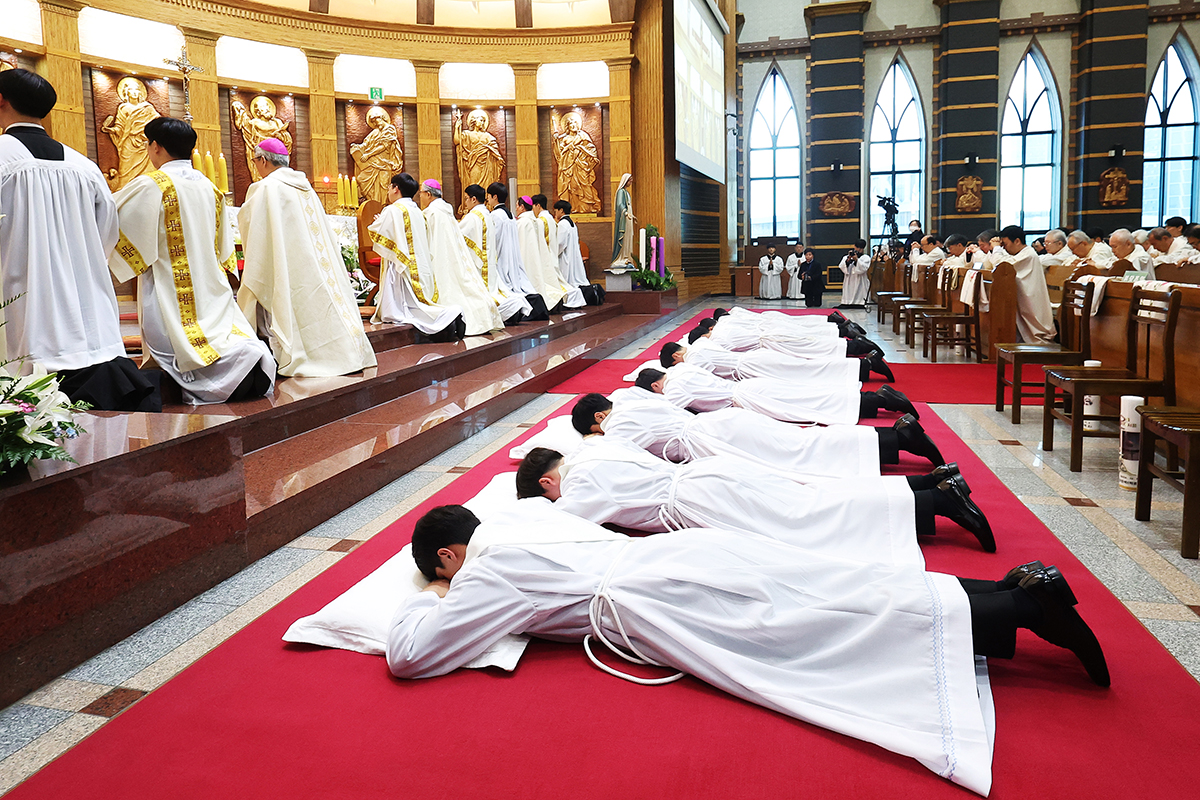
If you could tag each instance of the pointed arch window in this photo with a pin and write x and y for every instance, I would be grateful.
(1029, 146)
(774, 162)
(897, 151)
(1169, 178)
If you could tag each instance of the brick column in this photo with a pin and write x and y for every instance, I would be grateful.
(526, 123)
(429, 120)
(62, 67)
(322, 122)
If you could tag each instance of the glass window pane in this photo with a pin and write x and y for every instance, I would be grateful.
(761, 164)
(910, 125)
(1153, 144)
(1039, 148)
(789, 131)
(1012, 117)
(1011, 192)
(908, 196)
(787, 162)
(760, 131)
(1040, 118)
(908, 155)
(1177, 194)
(1038, 194)
(1152, 115)
(1181, 141)
(881, 157)
(1182, 110)
(881, 131)
(762, 208)
(1150, 189)
(1010, 151)
(787, 207)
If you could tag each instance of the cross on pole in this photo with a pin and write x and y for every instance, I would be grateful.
(187, 68)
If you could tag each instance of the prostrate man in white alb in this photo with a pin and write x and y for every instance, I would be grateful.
(479, 234)
(176, 235)
(457, 280)
(535, 255)
(574, 297)
(879, 651)
(408, 292)
(770, 285)
(1035, 317)
(295, 288)
(58, 223)
(570, 257)
(506, 246)
(856, 286)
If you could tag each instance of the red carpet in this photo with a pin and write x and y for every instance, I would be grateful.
(959, 383)
(257, 718)
(604, 377)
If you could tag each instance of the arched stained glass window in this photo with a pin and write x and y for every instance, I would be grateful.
(1169, 180)
(1029, 148)
(774, 162)
(897, 151)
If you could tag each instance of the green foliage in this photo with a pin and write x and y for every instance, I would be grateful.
(652, 280)
(651, 230)
(350, 257)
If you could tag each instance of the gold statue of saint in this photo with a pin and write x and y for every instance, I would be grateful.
(378, 157)
(257, 124)
(127, 128)
(577, 159)
(479, 159)
(5, 66)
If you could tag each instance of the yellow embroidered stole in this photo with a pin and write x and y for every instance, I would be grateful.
(409, 261)
(481, 252)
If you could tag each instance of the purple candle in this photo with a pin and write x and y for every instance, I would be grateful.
(662, 256)
(653, 255)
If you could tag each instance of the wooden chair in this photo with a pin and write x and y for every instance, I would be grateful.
(942, 328)
(1180, 428)
(942, 302)
(1146, 311)
(1075, 331)
(370, 263)
(1056, 279)
(887, 300)
(907, 310)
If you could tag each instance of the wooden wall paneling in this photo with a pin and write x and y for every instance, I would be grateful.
(302, 155)
(203, 89)
(412, 148)
(89, 119)
(528, 177)
(63, 68)
(322, 123)
(620, 123)
(343, 144)
(429, 124)
(655, 177)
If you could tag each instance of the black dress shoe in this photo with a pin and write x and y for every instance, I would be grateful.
(1061, 624)
(945, 471)
(914, 439)
(837, 317)
(1016, 574)
(964, 511)
(854, 329)
(894, 400)
(880, 367)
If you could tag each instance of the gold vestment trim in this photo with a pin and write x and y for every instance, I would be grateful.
(131, 255)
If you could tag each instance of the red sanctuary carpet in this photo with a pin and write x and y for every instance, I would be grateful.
(258, 718)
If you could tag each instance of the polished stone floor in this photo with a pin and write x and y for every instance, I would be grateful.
(1138, 561)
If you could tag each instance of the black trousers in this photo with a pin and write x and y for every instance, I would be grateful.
(996, 613)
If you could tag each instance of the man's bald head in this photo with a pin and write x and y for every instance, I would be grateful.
(1121, 242)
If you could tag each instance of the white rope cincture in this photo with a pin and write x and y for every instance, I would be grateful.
(595, 612)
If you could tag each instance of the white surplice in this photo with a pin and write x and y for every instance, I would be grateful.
(770, 286)
(457, 280)
(774, 330)
(574, 297)
(58, 223)
(570, 257)
(805, 453)
(295, 287)
(507, 250)
(856, 286)
(793, 265)
(1141, 261)
(535, 255)
(1035, 316)
(837, 371)
(191, 324)
(479, 234)
(689, 386)
(879, 652)
(407, 290)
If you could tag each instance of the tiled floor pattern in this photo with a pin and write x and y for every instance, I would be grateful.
(1138, 561)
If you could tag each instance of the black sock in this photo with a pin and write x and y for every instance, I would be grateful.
(889, 446)
(996, 615)
(942, 504)
(857, 347)
(924, 483)
(869, 404)
(976, 586)
(926, 511)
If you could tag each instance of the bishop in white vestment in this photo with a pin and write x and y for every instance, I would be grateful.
(176, 235)
(407, 290)
(479, 234)
(535, 255)
(295, 287)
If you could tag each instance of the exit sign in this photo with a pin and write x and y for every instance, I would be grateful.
(376, 94)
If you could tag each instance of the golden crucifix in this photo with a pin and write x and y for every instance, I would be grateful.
(187, 68)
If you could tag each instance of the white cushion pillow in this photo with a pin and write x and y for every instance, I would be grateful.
(558, 435)
(655, 364)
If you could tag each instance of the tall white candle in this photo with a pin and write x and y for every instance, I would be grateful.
(642, 249)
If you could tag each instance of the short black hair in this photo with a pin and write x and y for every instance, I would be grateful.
(498, 190)
(1192, 231)
(583, 414)
(440, 527)
(647, 377)
(987, 235)
(719, 312)
(1095, 233)
(858, 243)
(564, 206)
(475, 191)
(956, 238)
(696, 333)
(1175, 222)
(539, 200)
(708, 323)
(1014, 233)
(28, 93)
(405, 184)
(175, 136)
(666, 356)
(534, 465)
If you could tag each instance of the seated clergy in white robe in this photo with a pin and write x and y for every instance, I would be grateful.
(856, 286)
(479, 234)
(1035, 316)
(505, 244)
(807, 453)
(408, 292)
(457, 280)
(1088, 253)
(874, 649)
(295, 287)
(834, 371)
(58, 223)
(176, 235)
(770, 285)
(570, 257)
(1124, 247)
(1057, 251)
(535, 255)
(574, 297)
(697, 389)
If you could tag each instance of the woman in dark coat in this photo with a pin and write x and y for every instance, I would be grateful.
(812, 279)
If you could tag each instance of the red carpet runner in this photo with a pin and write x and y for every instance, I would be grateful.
(257, 718)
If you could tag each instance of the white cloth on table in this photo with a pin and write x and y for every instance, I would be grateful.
(191, 324)
(770, 286)
(535, 255)
(58, 223)
(763, 363)
(507, 250)
(967, 293)
(821, 624)
(295, 278)
(1100, 281)
(458, 283)
(689, 386)
(855, 285)
(570, 257)
(407, 289)
(479, 234)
